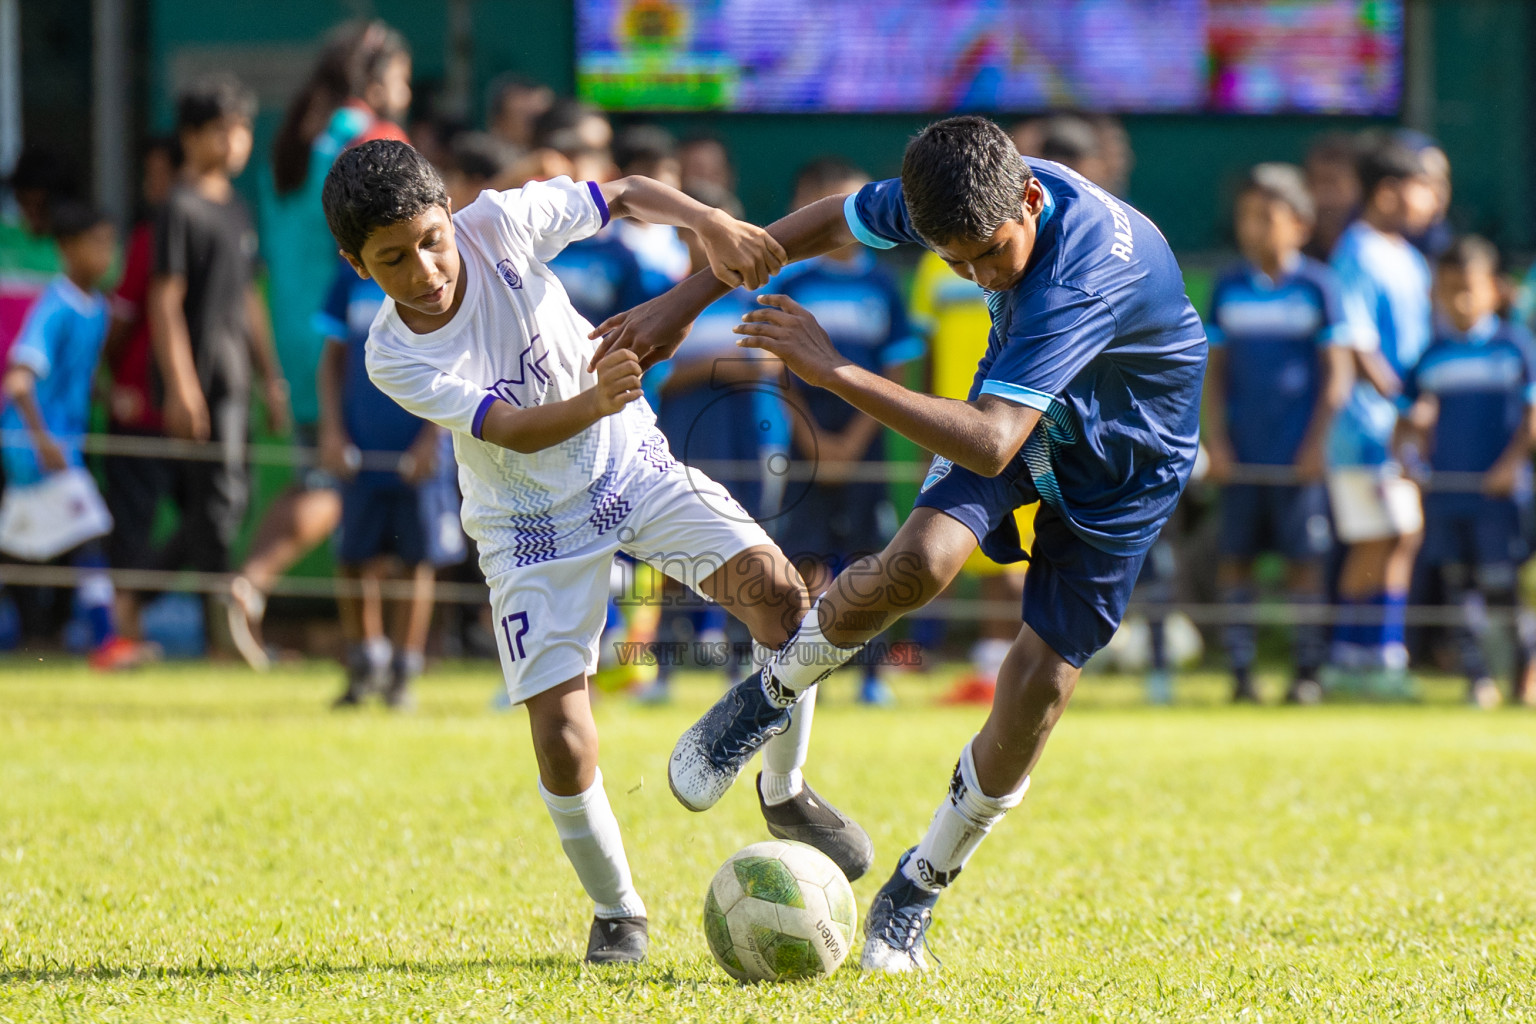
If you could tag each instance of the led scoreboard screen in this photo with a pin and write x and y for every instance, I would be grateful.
(859, 56)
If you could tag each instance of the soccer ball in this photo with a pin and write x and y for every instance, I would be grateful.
(778, 911)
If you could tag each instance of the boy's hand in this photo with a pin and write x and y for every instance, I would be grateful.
(49, 454)
(274, 395)
(651, 330)
(1219, 460)
(186, 413)
(419, 461)
(1502, 478)
(618, 381)
(786, 329)
(333, 454)
(1311, 462)
(740, 254)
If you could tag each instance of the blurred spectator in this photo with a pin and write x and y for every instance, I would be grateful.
(29, 260)
(1279, 372)
(208, 323)
(704, 162)
(513, 105)
(134, 484)
(383, 535)
(715, 404)
(1384, 283)
(359, 89)
(479, 161)
(1474, 412)
(580, 124)
(1097, 148)
(51, 508)
(1333, 178)
(660, 250)
(834, 520)
(1438, 236)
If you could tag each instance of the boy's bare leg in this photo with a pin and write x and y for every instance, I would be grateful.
(565, 746)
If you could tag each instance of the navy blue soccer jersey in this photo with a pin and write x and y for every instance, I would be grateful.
(1483, 381)
(600, 276)
(1273, 334)
(374, 421)
(1099, 336)
(864, 315)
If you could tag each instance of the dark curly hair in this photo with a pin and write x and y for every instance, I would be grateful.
(374, 185)
(963, 179)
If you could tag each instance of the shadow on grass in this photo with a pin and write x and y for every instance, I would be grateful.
(107, 972)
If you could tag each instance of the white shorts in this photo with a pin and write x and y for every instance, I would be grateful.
(1373, 503)
(549, 616)
(41, 521)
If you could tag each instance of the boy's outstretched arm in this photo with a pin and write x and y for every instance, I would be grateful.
(983, 436)
(654, 329)
(20, 389)
(740, 254)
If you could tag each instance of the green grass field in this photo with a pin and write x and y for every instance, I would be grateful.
(201, 843)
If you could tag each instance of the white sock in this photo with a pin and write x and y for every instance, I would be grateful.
(378, 650)
(590, 835)
(806, 660)
(784, 754)
(958, 827)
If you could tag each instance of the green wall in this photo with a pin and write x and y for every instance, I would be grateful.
(1185, 165)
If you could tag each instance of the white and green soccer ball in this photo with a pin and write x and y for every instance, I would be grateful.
(779, 911)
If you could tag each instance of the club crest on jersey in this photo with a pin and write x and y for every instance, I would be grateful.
(509, 274)
(937, 470)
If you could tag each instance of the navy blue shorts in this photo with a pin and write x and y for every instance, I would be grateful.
(1473, 530)
(1074, 594)
(380, 519)
(1259, 518)
(835, 524)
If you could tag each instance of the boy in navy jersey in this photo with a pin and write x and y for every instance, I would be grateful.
(1474, 414)
(1280, 371)
(1087, 402)
(834, 519)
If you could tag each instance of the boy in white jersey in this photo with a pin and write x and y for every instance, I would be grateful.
(562, 467)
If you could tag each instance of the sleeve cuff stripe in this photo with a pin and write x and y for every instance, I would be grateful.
(31, 358)
(1018, 394)
(602, 206)
(862, 233)
(479, 421)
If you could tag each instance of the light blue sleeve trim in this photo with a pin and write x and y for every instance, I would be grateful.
(1018, 394)
(862, 233)
(34, 359)
(903, 351)
(1530, 394)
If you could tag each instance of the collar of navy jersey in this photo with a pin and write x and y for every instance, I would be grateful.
(1481, 333)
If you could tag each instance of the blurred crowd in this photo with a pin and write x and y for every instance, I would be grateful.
(1369, 408)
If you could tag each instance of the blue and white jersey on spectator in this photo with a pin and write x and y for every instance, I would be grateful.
(1273, 334)
(374, 421)
(865, 317)
(1484, 381)
(600, 275)
(60, 342)
(1384, 283)
(1099, 336)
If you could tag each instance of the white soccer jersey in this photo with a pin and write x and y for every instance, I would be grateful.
(516, 338)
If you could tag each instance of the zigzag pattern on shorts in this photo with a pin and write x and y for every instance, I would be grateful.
(654, 450)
